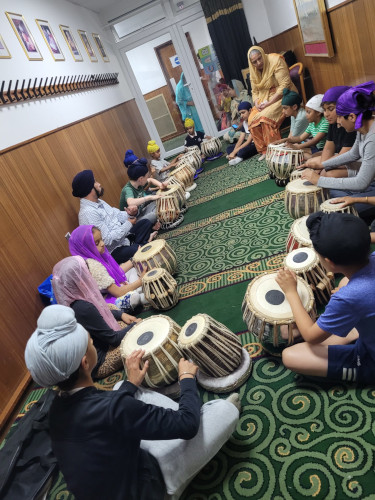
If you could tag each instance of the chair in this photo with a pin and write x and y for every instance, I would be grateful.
(296, 75)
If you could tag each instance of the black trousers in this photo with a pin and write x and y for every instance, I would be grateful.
(138, 236)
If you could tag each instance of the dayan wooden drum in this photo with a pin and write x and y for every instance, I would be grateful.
(328, 208)
(168, 207)
(176, 190)
(282, 163)
(160, 289)
(157, 253)
(184, 174)
(157, 335)
(303, 198)
(299, 235)
(211, 345)
(270, 150)
(305, 263)
(267, 312)
(211, 147)
(296, 174)
(193, 149)
(194, 158)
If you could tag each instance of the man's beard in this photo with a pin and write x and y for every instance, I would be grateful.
(100, 193)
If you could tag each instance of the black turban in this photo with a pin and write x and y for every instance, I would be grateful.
(83, 183)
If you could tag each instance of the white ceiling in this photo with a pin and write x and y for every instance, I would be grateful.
(100, 5)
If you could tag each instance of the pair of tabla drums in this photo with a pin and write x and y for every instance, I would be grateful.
(211, 148)
(171, 205)
(282, 162)
(223, 364)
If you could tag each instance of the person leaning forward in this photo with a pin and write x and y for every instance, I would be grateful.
(121, 232)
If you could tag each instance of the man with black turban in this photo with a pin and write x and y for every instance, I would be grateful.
(340, 345)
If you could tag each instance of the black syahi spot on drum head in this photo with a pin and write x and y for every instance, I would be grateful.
(146, 249)
(151, 273)
(300, 257)
(307, 183)
(145, 338)
(275, 297)
(191, 329)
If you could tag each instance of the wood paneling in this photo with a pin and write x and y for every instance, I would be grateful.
(352, 28)
(38, 209)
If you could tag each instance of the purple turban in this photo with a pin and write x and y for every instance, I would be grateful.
(244, 105)
(334, 93)
(347, 102)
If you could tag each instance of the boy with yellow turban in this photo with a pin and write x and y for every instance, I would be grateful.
(160, 167)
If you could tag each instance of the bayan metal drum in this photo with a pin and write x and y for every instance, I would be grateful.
(157, 335)
(160, 289)
(303, 198)
(157, 253)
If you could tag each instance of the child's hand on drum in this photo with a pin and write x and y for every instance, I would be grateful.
(311, 176)
(186, 369)
(128, 319)
(135, 373)
(346, 200)
(287, 281)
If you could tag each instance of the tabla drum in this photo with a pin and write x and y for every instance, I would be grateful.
(305, 263)
(282, 163)
(184, 174)
(211, 148)
(160, 289)
(194, 149)
(176, 190)
(270, 150)
(303, 198)
(299, 235)
(181, 194)
(296, 174)
(194, 157)
(267, 312)
(327, 207)
(157, 253)
(157, 335)
(211, 345)
(168, 210)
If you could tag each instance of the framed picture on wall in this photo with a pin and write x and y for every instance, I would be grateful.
(50, 40)
(88, 47)
(314, 28)
(4, 52)
(101, 49)
(24, 36)
(71, 43)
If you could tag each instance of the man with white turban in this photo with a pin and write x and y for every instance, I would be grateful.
(96, 435)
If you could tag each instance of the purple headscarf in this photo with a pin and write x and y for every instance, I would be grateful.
(347, 102)
(81, 242)
(334, 93)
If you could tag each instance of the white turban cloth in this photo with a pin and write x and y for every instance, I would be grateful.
(56, 348)
(316, 103)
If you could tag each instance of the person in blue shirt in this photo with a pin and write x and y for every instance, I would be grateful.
(340, 345)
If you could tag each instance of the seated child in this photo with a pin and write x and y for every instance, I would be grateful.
(134, 193)
(130, 443)
(317, 128)
(119, 284)
(194, 137)
(74, 287)
(291, 104)
(245, 147)
(161, 166)
(339, 141)
(343, 244)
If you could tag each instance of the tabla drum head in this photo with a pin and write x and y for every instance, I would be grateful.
(192, 330)
(147, 335)
(150, 249)
(154, 274)
(301, 186)
(301, 259)
(299, 228)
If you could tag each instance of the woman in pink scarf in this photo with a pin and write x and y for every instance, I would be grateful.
(74, 287)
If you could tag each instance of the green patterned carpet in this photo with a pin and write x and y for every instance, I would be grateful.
(296, 439)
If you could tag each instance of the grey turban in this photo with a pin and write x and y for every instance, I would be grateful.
(56, 348)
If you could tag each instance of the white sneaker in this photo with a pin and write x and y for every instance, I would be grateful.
(187, 195)
(235, 161)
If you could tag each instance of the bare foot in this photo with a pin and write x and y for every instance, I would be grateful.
(152, 236)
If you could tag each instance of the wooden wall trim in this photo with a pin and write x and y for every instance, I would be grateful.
(338, 6)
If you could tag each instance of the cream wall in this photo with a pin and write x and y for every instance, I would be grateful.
(22, 121)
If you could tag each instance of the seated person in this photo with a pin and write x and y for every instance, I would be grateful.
(291, 104)
(224, 101)
(194, 137)
(161, 167)
(343, 244)
(339, 141)
(134, 192)
(353, 200)
(117, 444)
(354, 109)
(122, 233)
(74, 287)
(113, 280)
(245, 147)
(317, 128)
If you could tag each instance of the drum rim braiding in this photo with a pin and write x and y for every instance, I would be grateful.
(348, 209)
(295, 235)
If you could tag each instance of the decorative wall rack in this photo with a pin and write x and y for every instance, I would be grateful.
(56, 85)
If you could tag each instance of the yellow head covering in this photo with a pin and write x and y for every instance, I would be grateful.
(152, 147)
(263, 79)
(189, 123)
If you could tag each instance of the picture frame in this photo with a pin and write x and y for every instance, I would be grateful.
(24, 36)
(87, 45)
(4, 51)
(314, 28)
(50, 40)
(71, 43)
(100, 46)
